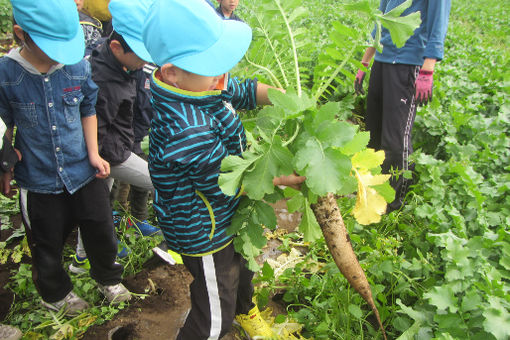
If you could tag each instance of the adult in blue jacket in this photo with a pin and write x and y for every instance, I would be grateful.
(400, 79)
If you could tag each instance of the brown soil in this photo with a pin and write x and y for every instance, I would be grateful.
(160, 314)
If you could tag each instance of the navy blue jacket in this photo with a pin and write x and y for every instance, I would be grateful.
(191, 133)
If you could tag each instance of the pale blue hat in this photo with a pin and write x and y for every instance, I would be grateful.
(127, 20)
(54, 26)
(190, 35)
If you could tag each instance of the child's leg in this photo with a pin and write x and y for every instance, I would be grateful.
(91, 206)
(245, 290)
(80, 248)
(213, 294)
(48, 222)
(119, 193)
(134, 171)
(138, 197)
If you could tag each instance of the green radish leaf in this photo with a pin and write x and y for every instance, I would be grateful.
(326, 114)
(401, 28)
(318, 164)
(355, 311)
(282, 157)
(309, 225)
(243, 244)
(411, 332)
(386, 191)
(296, 202)
(344, 30)
(397, 11)
(265, 214)
(358, 143)
(233, 168)
(497, 322)
(335, 134)
(259, 181)
(297, 13)
(360, 6)
(290, 102)
(443, 298)
(277, 160)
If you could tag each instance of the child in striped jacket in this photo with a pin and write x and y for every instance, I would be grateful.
(194, 127)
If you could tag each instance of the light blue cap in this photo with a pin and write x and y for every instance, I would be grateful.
(127, 20)
(190, 35)
(54, 26)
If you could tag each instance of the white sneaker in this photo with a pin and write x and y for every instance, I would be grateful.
(115, 293)
(9, 332)
(72, 303)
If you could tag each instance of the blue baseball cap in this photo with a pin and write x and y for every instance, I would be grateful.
(190, 35)
(127, 20)
(54, 26)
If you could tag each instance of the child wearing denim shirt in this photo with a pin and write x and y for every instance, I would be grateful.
(194, 127)
(46, 91)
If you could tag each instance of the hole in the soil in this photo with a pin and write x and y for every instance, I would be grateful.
(126, 332)
(159, 291)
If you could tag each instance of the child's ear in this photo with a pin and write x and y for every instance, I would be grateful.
(116, 47)
(169, 73)
(18, 31)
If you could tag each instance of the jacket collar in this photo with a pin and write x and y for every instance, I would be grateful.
(171, 93)
(16, 56)
(109, 68)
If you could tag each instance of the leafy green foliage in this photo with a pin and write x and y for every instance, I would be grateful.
(5, 16)
(296, 133)
(442, 264)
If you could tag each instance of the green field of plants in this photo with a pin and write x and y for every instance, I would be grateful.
(438, 269)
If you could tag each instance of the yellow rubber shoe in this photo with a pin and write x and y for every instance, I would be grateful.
(254, 325)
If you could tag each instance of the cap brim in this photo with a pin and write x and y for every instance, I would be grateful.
(139, 48)
(66, 52)
(228, 50)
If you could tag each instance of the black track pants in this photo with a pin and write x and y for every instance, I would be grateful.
(221, 289)
(50, 218)
(391, 110)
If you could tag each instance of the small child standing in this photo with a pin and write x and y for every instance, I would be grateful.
(92, 29)
(48, 94)
(115, 67)
(116, 64)
(194, 127)
(226, 9)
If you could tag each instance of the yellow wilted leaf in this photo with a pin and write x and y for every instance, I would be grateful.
(367, 159)
(369, 204)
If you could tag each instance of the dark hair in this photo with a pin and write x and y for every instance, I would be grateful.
(26, 36)
(116, 36)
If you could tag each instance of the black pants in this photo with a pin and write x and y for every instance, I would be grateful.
(50, 218)
(221, 289)
(391, 110)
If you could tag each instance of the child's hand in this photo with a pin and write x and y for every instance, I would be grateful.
(5, 180)
(5, 185)
(102, 166)
(294, 181)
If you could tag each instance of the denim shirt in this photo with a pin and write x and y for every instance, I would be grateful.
(47, 110)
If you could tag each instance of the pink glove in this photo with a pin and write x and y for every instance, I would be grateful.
(358, 83)
(424, 84)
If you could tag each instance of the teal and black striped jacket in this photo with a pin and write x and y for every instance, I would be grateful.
(191, 133)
